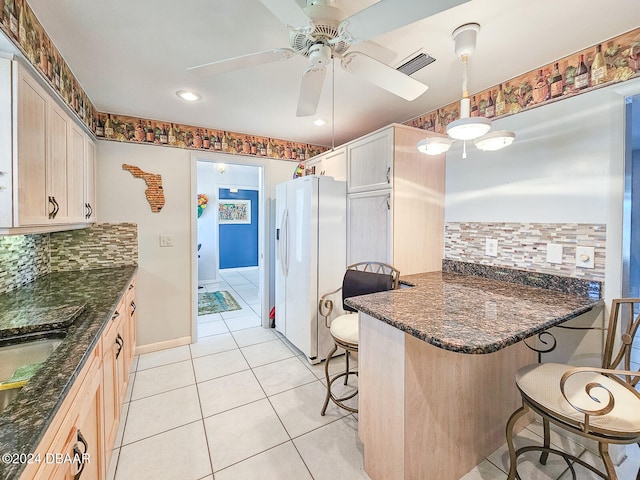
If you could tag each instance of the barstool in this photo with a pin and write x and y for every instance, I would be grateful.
(359, 279)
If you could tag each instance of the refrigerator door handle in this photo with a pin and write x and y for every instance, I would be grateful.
(285, 255)
(283, 244)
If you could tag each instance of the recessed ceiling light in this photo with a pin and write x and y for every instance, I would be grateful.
(188, 95)
(319, 122)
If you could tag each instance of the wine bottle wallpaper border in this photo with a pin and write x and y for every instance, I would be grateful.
(613, 61)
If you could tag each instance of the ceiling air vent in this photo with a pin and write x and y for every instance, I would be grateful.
(415, 62)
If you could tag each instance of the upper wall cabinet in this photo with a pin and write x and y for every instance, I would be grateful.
(395, 200)
(370, 162)
(332, 163)
(44, 169)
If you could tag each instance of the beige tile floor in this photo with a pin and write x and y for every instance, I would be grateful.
(243, 404)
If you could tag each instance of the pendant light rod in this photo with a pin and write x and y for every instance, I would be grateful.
(333, 103)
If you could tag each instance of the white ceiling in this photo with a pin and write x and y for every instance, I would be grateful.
(131, 58)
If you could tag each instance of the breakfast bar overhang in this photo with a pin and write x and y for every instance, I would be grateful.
(437, 364)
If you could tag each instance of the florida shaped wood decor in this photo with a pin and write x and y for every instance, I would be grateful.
(154, 191)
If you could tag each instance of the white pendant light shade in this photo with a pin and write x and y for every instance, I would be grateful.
(434, 145)
(468, 128)
(495, 140)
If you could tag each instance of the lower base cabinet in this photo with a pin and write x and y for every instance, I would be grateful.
(80, 439)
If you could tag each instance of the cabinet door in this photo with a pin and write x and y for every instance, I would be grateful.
(33, 205)
(59, 124)
(369, 227)
(133, 316)
(334, 164)
(370, 162)
(83, 450)
(111, 382)
(90, 181)
(76, 174)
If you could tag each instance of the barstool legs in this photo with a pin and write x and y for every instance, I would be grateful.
(330, 395)
(326, 375)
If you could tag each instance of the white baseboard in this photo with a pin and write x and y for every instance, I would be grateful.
(154, 347)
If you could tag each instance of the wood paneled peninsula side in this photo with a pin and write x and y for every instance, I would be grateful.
(438, 362)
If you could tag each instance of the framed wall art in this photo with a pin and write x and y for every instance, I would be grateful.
(234, 211)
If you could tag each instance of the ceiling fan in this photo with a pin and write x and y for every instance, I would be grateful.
(322, 33)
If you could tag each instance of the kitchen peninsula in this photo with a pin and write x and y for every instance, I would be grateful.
(438, 362)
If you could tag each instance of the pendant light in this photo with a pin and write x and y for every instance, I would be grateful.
(467, 127)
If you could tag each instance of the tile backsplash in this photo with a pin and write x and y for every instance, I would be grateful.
(23, 258)
(104, 245)
(523, 246)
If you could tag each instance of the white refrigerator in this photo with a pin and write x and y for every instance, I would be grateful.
(311, 239)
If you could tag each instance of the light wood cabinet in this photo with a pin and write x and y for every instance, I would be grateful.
(83, 432)
(90, 180)
(34, 199)
(74, 437)
(370, 162)
(395, 204)
(76, 174)
(112, 377)
(370, 227)
(332, 163)
(83, 439)
(45, 160)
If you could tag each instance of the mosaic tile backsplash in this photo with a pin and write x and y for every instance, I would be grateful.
(23, 258)
(105, 245)
(523, 246)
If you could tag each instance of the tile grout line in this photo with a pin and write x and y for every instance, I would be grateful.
(204, 428)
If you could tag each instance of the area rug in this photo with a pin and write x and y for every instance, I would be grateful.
(216, 302)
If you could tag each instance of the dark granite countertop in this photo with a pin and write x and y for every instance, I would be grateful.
(28, 416)
(472, 314)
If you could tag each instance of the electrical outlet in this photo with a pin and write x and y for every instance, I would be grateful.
(491, 247)
(166, 240)
(554, 253)
(585, 257)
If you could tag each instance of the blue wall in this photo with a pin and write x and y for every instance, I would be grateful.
(238, 244)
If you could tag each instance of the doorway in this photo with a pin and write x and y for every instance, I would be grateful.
(230, 239)
(631, 230)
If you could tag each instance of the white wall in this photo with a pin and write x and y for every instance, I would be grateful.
(566, 165)
(166, 276)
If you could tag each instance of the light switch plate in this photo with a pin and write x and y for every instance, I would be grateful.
(166, 240)
(554, 253)
(491, 247)
(585, 257)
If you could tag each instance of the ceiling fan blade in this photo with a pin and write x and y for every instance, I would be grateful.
(383, 76)
(387, 15)
(287, 11)
(310, 89)
(244, 61)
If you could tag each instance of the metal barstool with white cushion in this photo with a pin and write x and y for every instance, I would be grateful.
(359, 279)
(601, 404)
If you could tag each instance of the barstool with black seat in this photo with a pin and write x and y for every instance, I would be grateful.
(359, 279)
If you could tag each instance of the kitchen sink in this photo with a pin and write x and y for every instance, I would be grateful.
(21, 357)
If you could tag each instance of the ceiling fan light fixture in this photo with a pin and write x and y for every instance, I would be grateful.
(188, 95)
(495, 140)
(434, 145)
(319, 122)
